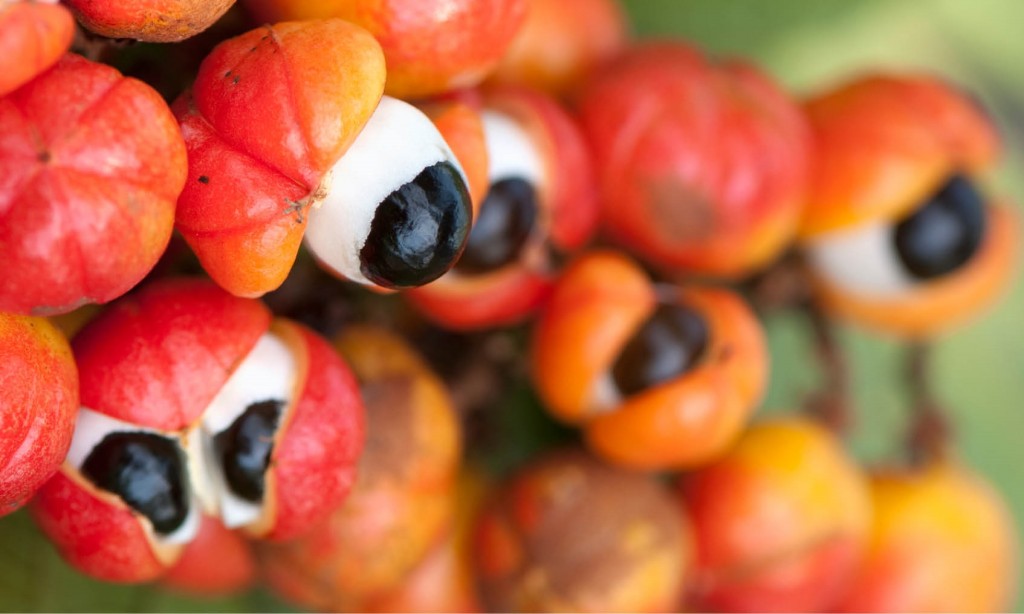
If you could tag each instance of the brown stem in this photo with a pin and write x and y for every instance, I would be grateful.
(783, 285)
(929, 431)
(93, 46)
(831, 403)
(786, 285)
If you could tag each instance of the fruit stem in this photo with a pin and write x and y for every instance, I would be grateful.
(831, 403)
(929, 431)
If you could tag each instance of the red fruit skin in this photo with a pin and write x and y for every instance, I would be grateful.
(217, 563)
(314, 462)
(781, 521)
(161, 21)
(568, 218)
(100, 537)
(701, 167)
(431, 46)
(91, 164)
(270, 113)
(498, 300)
(38, 403)
(33, 36)
(158, 357)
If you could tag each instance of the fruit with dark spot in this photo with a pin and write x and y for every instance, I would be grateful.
(569, 533)
(702, 166)
(402, 501)
(158, 21)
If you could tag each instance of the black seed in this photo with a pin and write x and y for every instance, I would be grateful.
(244, 448)
(669, 344)
(147, 471)
(942, 234)
(506, 220)
(204, 179)
(419, 230)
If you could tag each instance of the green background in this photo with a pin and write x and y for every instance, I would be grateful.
(808, 45)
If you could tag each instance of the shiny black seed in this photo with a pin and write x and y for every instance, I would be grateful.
(147, 471)
(244, 448)
(670, 343)
(944, 233)
(419, 230)
(506, 220)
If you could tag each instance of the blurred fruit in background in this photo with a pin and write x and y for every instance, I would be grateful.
(561, 43)
(402, 502)
(33, 36)
(702, 165)
(898, 229)
(431, 46)
(941, 540)
(571, 533)
(780, 522)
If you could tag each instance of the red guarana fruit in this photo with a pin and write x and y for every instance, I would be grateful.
(702, 166)
(194, 400)
(38, 403)
(91, 164)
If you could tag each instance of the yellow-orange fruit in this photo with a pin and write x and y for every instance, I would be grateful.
(401, 503)
(431, 46)
(899, 236)
(562, 42)
(942, 540)
(780, 522)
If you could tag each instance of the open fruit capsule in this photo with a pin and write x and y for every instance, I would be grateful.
(38, 401)
(702, 167)
(569, 533)
(657, 378)
(402, 500)
(898, 233)
(288, 135)
(33, 36)
(91, 164)
(194, 400)
(780, 521)
(540, 204)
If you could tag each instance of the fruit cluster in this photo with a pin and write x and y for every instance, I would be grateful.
(517, 192)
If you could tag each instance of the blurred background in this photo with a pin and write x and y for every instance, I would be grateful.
(809, 45)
